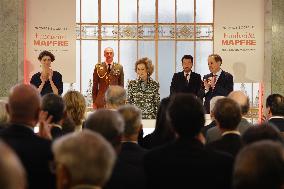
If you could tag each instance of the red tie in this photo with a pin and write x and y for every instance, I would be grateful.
(214, 80)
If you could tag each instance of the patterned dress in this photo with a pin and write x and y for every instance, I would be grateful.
(145, 96)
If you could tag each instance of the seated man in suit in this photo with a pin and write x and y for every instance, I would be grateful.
(11, 169)
(185, 162)
(34, 152)
(128, 172)
(217, 83)
(243, 100)
(84, 160)
(54, 105)
(227, 114)
(186, 81)
(259, 165)
(275, 110)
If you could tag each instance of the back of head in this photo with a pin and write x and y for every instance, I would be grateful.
(132, 118)
(163, 127)
(3, 112)
(108, 123)
(10, 169)
(213, 102)
(186, 113)
(87, 157)
(260, 166)
(227, 113)
(54, 105)
(23, 103)
(115, 96)
(75, 106)
(264, 131)
(275, 102)
(241, 99)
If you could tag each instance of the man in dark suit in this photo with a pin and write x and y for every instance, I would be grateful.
(128, 172)
(54, 105)
(186, 81)
(243, 101)
(34, 152)
(275, 110)
(217, 83)
(185, 162)
(227, 114)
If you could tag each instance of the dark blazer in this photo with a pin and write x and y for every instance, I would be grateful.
(214, 133)
(278, 122)
(186, 163)
(57, 80)
(34, 153)
(230, 143)
(180, 85)
(223, 87)
(128, 172)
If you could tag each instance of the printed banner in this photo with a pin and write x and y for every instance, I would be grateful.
(239, 38)
(50, 26)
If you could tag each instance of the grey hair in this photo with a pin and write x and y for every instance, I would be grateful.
(213, 101)
(132, 117)
(87, 156)
(115, 95)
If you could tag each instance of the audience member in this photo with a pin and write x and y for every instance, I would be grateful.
(275, 110)
(263, 131)
(54, 105)
(109, 124)
(11, 169)
(68, 125)
(34, 152)
(213, 123)
(75, 107)
(227, 114)
(163, 132)
(115, 97)
(259, 166)
(186, 162)
(243, 100)
(128, 172)
(84, 160)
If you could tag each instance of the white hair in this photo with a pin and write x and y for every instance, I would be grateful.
(86, 155)
(213, 101)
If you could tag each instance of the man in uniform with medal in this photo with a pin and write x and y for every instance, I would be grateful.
(105, 74)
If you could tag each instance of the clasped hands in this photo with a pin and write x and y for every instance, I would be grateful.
(209, 83)
(46, 75)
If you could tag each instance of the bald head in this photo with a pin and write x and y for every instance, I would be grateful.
(241, 99)
(23, 104)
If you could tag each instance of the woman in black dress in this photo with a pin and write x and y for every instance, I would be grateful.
(47, 81)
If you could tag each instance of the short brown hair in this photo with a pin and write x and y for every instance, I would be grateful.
(46, 53)
(148, 64)
(216, 57)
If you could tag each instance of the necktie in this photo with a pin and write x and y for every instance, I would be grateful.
(108, 69)
(186, 75)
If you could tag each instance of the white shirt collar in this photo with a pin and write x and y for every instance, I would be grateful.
(231, 132)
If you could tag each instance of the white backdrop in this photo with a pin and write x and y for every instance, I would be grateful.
(239, 38)
(50, 25)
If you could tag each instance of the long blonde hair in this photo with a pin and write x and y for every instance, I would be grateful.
(75, 106)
